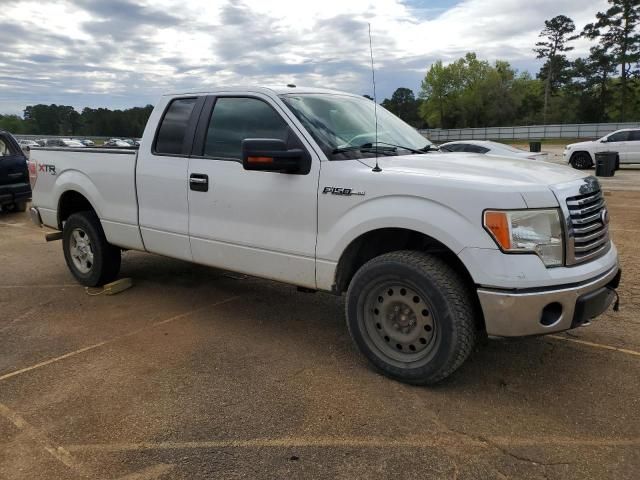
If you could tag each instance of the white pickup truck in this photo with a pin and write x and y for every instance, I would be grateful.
(297, 185)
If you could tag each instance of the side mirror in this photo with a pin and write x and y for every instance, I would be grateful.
(604, 140)
(270, 155)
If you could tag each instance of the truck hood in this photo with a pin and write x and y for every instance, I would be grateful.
(503, 172)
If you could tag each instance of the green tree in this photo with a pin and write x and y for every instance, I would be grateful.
(592, 85)
(617, 32)
(556, 34)
(403, 103)
(13, 124)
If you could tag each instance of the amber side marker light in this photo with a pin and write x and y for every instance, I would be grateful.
(498, 224)
(260, 159)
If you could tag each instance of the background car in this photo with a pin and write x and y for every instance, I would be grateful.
(488, 147)
(116, 142)
(15, 189)
(625, 142)
(63, 142)
(84, 141)
(28, 143)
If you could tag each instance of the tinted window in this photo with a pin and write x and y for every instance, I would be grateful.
(173, 126)
(618, 137)
(234, 119)
(476, 149)
(634, 135)
(456, 147)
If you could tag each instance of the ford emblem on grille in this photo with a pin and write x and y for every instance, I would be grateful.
(604, 216)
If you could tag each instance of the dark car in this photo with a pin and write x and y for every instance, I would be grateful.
(15, 190)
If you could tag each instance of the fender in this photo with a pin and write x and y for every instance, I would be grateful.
(410, 212)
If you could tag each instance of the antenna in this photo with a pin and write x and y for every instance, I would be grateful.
(375, 100)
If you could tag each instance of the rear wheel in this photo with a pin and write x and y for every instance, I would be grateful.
(92, 260)
(20, 207)
(581, 161)
(412, 316)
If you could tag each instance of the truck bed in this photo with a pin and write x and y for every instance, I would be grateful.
(106, 176)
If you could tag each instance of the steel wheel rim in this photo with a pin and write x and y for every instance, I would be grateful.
(81, 250)
(399, 322)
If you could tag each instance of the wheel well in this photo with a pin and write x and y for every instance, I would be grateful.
(385, 240)
(581, 151)
(72, 202)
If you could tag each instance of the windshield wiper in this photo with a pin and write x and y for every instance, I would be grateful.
(412, 150)
(366, 147)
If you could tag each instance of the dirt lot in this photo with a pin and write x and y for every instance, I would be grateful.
(195, 373)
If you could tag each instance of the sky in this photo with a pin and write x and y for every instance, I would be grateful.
(125, 53)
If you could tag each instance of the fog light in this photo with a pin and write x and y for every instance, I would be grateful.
(551, 314)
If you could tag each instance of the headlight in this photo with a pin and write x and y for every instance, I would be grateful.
(528, 231)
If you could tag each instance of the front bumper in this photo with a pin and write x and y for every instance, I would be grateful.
(540, 311)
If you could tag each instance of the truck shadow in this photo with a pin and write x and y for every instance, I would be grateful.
(311, 328)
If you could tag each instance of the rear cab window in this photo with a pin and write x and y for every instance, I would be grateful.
(171, 138)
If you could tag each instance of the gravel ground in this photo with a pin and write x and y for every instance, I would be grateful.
(195, 373)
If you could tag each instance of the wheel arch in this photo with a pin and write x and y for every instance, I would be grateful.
(591, 156)
(70, 202)
(384, 240)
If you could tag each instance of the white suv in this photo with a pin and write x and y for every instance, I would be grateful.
(625, 142)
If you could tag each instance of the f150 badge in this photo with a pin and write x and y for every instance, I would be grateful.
(345, 192)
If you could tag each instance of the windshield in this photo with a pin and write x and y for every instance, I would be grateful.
(341, 124)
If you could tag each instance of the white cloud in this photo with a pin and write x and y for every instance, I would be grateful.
(120, 53)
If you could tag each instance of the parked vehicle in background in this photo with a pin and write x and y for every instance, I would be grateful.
(309, 187)
(15, 190)
(626, 142)
(63, 142)
(116, 142)
(28, 143)
(84, 141)
(488, 147)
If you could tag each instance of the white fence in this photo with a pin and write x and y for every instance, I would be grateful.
(533, 132)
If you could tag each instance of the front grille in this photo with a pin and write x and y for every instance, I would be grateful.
(587, 227)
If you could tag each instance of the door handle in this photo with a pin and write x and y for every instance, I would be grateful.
(199, 182)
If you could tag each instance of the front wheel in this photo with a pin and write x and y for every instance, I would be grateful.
(91, 259)
(412, 316)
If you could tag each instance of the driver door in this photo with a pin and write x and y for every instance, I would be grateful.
(255, 222)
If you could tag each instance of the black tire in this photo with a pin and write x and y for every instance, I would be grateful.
(20, 207)
(447, 300)
(105, 258)
(581, 161)
(617, 163)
